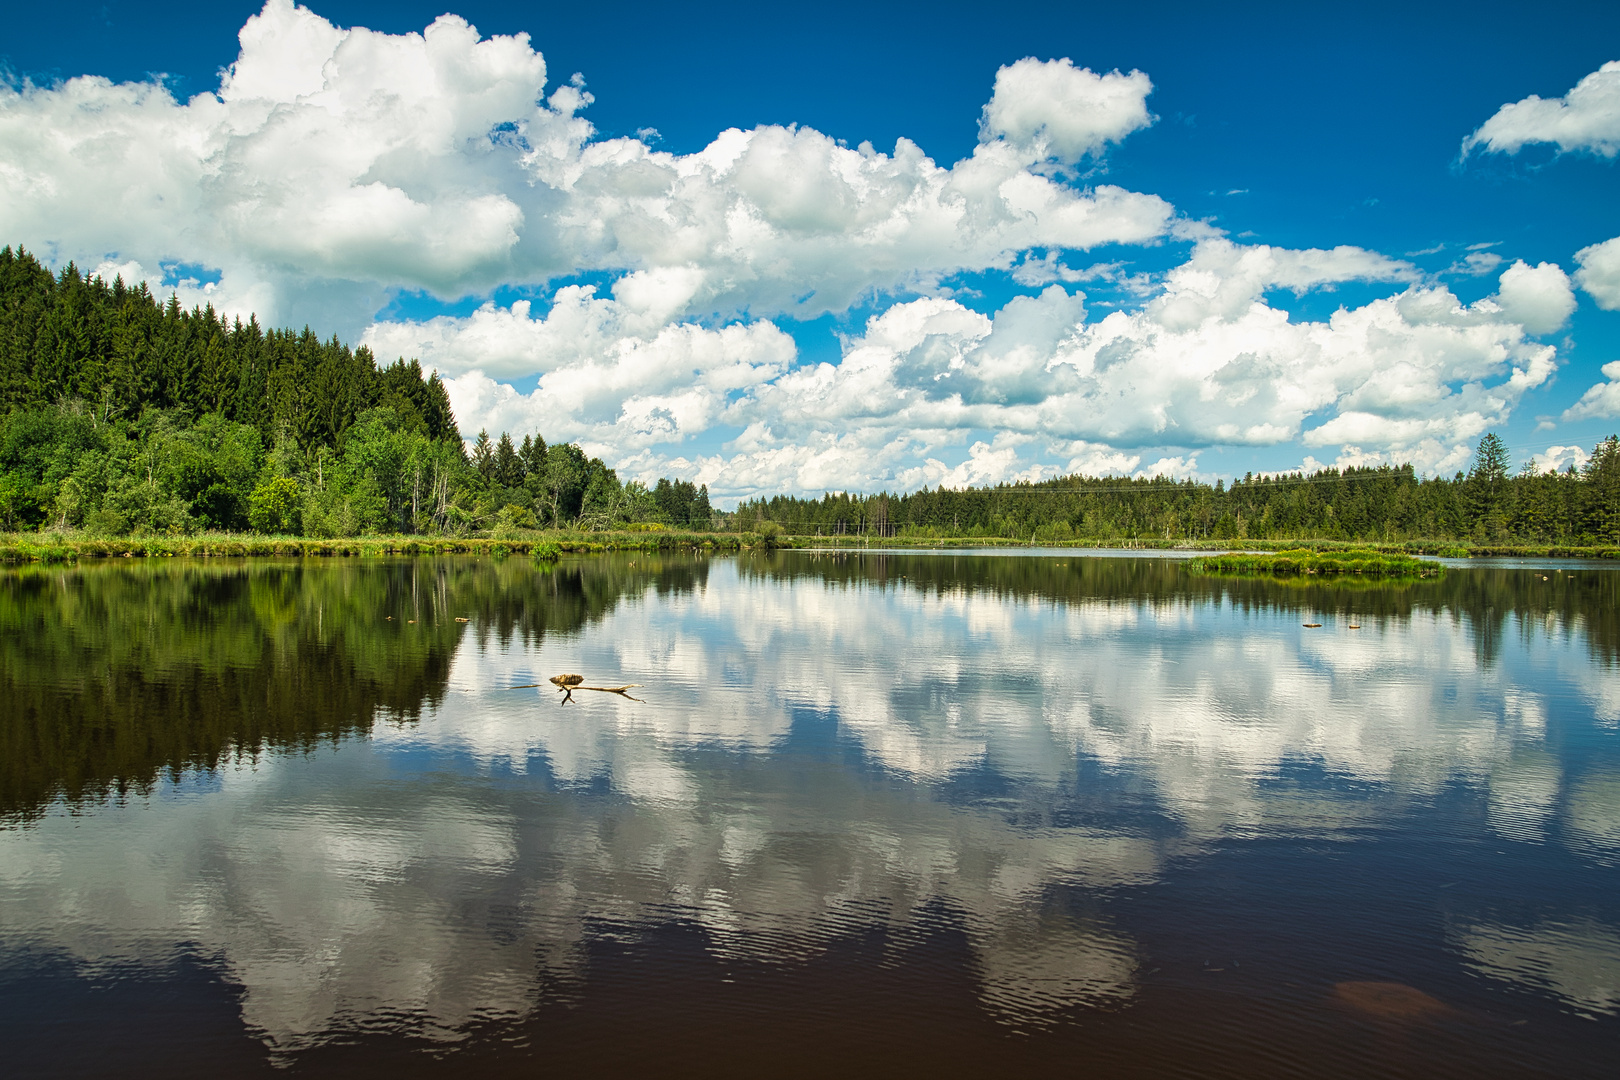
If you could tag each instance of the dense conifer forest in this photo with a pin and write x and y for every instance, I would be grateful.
(1490, 504)
(122, 413)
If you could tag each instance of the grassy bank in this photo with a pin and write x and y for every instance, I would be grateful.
(48, 547)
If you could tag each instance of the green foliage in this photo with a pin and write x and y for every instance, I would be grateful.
(122, 414)
(274, 506)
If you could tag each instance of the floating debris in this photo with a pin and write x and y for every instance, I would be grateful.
(1313, 625)
(460, 619)
(1352, 626)
(567, 684)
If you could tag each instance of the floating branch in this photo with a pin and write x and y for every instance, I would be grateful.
(569, 683)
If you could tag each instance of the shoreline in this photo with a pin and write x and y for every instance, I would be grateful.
(51, 548)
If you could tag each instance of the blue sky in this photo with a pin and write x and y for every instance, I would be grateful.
(1285, 256)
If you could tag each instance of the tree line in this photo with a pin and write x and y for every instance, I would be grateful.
(1488, 504)
(122, 413)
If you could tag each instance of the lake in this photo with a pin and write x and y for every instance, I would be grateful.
(889, 813)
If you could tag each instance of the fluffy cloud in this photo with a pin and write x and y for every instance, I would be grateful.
(344, 155)
(1538, 298)
(613, 372)
(1598, 272)
(360, 161)
(333, 168)
(1586, 118)
(1206, 361)
(1602, 400)
(1056, 109)
(1559, 458)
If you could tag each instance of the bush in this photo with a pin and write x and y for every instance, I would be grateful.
(273, 506)
(106, 523)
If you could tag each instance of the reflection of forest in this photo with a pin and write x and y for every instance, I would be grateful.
(112, 674)
(1002, 751)
(1582, 599)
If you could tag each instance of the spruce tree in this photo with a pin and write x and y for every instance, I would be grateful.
(483, 456)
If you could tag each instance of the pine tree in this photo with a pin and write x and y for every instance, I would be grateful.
(1487, 488)
(1602, 476)
(508, 467)
(483, 456)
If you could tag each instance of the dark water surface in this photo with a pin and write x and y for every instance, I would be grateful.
(882, 814)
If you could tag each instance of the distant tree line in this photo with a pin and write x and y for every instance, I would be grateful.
(1487, 504)
(121, 413)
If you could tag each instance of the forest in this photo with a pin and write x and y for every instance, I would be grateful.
(124, 414)
(1490, 504)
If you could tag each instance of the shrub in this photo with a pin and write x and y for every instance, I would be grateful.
(273, 506)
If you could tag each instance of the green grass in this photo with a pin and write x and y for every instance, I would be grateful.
(1364, 561)
(545, 546)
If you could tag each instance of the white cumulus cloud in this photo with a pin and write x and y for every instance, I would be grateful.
(1206, 361)
(339, 164)
(334, 168)
(1058, 110)
(1586, 118)
(1537, 297)
(1602, 400)
(1598, 272)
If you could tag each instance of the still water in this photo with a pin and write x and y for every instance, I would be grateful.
(897, 814)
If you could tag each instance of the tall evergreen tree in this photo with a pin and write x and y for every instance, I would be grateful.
(508, 467)
(483, 456)
(1602, 475)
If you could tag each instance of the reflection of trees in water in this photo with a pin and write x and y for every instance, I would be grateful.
(1582, 600)
(112, 674)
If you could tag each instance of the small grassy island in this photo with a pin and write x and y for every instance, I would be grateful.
(1363, 561)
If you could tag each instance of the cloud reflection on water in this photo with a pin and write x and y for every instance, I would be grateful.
(453, 871)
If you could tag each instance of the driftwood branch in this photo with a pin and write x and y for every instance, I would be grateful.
(567, 684)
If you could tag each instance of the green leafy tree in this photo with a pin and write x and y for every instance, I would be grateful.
(274, 506)
(567, 472)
